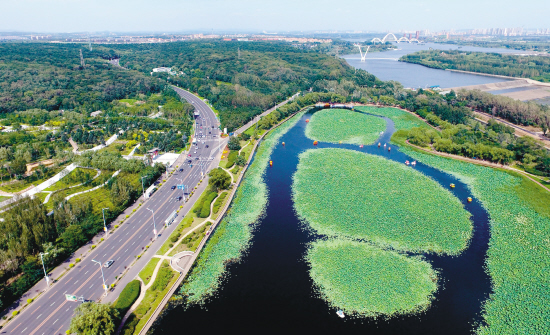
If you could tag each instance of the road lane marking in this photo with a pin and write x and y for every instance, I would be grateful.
(24, 330)
(38, 317)
(86, 272)
(55, 322)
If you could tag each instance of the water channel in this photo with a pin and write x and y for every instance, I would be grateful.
(385, 66)
(271, 291)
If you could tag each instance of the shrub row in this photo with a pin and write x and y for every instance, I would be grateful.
(231, 159)
(127, 297)
(219, 202)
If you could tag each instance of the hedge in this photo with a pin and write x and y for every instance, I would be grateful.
(219, 202)
(231, 159)
(205, 211)
(127, 297)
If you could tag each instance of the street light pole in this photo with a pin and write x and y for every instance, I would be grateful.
(104, 224)
(154, 223)
(142, 188)
(44, 267)
(102, 276)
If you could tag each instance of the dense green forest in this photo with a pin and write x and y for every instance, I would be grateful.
(49, 76)
(538, 44)
(534, 67)
(240, 87)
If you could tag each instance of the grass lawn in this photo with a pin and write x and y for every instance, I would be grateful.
(164, 281)
(192, 241)
(147, 271)
(250, 131)
(34, 179)
(248, 149)
(42, 196)
(2, 198)
(128, 101)
(100, 199)
(75, 177)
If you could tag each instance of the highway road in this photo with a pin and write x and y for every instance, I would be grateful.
(51, 313)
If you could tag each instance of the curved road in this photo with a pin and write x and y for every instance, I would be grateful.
(51, 313)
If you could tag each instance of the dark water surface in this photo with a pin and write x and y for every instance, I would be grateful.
(270, 291)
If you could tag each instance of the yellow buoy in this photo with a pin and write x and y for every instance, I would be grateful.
(314, 142)
(469, 199)
(283, 143)
(270, 163)
(452, 185)
(307, 120)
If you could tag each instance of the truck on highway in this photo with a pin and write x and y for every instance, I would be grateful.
(171, 218)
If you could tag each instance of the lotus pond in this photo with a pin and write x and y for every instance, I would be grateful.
(271, 288)
(342, 125)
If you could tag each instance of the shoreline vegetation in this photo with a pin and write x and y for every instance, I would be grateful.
(232, 237)
(520, 227)
(532, 67)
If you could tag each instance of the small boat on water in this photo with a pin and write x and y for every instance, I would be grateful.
(413, 163)
(341, 314)
(361, 146)
(407, 163)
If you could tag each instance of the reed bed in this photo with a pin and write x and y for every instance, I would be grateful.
(518, 259)
(231, 239)
(366, 281)
(335, 125)
(344, 193)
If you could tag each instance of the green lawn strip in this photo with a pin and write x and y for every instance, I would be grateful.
(232, 236)
(183, 227)
(101, 198)
(518, 258)
(129, 101)
(192, 241)
(247, 150)
(250, 131)
(147, 271)
(364, 280)
(127, 297)
(35, 179)
(400, 118)
(42, 196)
(219, 202)
(2, 198)
(347, 193)
(235, 171)
(166, 277)
(75, 177)
(335, 125)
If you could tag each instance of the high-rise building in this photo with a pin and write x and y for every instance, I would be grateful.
(417, 34)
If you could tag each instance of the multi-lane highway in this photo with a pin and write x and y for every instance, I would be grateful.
(51, 313)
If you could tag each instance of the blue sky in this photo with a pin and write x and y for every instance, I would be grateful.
(269, 15)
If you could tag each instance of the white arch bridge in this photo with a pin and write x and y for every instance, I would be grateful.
(392, 38)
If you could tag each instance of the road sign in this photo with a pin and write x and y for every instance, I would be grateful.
(155, 232)
(69, 297)
(105, 229)
(181, 187)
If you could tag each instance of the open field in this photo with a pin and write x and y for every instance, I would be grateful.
(364, 280)
(335, 125)
(346, 193)
(75, 177)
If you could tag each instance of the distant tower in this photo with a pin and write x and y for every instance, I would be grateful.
(81, 59)
(417, 34)
(89, 43)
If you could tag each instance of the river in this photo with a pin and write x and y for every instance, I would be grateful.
(385, 66)
(271, 291)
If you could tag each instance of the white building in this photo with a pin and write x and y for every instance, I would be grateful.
(162, 69)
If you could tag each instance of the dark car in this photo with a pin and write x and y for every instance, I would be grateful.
(156, 182)
(181, 170)
(207, 145)
(196, 158)
(179, 198)
(189, 161)
(173, 187)
(212, 126)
